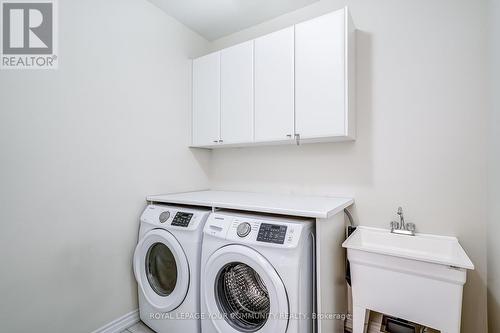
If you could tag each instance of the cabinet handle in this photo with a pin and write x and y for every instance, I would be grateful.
(288, 135)
(221, 141)
(215, 141)
(297, 138)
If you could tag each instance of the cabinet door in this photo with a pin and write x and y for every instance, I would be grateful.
(320, 76)
(206, 100)
(237, 93)
(274, 118)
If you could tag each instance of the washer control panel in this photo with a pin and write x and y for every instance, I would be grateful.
(272, 233)
(257, 230)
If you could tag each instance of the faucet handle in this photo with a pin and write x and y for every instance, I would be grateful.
(394, 225)
(400, 211)
(410, 227)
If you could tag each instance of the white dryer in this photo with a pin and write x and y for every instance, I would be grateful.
(166, 266)
(257, 274)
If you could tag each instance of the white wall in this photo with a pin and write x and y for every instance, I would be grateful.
(80, 148)
(494, 181)
(422, 123)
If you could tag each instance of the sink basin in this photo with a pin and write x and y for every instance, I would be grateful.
(442, 250)
(418, 278)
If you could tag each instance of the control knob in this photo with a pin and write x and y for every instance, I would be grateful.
(164, 216)
(243, 229)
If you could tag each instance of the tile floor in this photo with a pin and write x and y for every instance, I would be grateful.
(138, 328)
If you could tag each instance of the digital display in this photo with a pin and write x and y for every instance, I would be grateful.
(272, 233)
(182, 219)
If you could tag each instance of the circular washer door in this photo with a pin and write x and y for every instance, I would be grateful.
(161, 270)
(244, 293)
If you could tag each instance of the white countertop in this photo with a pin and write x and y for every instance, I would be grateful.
(294, 205)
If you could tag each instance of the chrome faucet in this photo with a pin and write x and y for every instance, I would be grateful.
(401, 227)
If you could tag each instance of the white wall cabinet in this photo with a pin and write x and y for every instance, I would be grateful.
(274, 86)
(321, 77)
(206, 100)
(237, 95)
(293, 85)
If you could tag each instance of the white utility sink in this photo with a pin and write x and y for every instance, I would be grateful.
(430, 248)
(418, 278)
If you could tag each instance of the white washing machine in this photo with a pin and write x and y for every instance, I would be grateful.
(257, 274)
(166, 267)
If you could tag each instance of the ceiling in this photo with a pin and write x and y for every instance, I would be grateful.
(217, 18)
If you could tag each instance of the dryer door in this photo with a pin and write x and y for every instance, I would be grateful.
(161, 270)
(244, 293)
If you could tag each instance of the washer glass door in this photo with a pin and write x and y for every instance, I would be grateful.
(243, 295)
(161, 270)
(245, 290)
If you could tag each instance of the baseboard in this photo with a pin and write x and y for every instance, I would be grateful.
(372, 326)
(119, 324)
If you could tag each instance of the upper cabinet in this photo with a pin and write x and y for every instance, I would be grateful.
(237, 94)
(295, 85)
(274, 84)
(321, 77)
(206, 100)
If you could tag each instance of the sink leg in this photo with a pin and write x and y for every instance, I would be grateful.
(360, 318)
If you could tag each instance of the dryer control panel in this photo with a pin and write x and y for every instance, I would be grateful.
(174, 217)
(256, 230)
